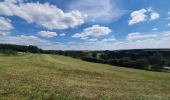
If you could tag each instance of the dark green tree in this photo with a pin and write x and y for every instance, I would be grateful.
(157, 61)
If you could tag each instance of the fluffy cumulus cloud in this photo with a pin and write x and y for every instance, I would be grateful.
(142, 15)
(154, 15)
(98, 10)
(45, 15)
(5, 24)
(138, 16)
(47, 34)
(94, 31)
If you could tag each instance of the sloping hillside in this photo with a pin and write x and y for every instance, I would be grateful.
(52, 77)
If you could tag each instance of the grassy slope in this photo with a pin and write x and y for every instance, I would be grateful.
(39, 76)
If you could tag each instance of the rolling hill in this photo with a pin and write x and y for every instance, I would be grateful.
(51, 77)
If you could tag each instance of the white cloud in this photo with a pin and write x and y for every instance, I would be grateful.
(142, 15)
(14, 1)
(62, 34)
(5, 24)
(3, 33)
(111, 39)
(139, 36)
(98, 10)
(133, 36)
(45, 15)
(24, 40)
(158, 40)
(154, 15)
(47, 34)
(167, 34)
(137, 16)
(94, 31)
(152, 40)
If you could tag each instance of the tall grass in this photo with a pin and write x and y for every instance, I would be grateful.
(52, 77)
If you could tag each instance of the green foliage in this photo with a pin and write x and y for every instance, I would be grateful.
(140, 59)
(20, 48)
(94, 55)
(157, 61)
(9, 52)
(92, 59)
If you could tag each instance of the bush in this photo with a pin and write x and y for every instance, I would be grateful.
(91, 59)
(9, 52)
(157, 61)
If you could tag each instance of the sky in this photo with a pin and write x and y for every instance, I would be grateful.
(86, 24)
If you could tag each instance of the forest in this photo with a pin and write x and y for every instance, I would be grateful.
(146, 59)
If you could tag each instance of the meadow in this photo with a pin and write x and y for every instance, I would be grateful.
(52, 77)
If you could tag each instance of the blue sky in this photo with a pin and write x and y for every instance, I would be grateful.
(86, 24)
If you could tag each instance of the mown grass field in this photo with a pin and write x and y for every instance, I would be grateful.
(52, 77)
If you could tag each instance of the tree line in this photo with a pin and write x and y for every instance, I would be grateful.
(148, 59)
(20, 48)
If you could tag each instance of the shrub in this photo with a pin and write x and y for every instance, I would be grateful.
(91, 59)
(9, 52)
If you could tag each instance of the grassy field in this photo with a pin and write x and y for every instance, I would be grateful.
(52, 77)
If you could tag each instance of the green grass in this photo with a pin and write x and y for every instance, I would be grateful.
(52, 77)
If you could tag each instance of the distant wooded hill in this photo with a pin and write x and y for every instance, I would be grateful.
(20, 48)
(148, 59)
